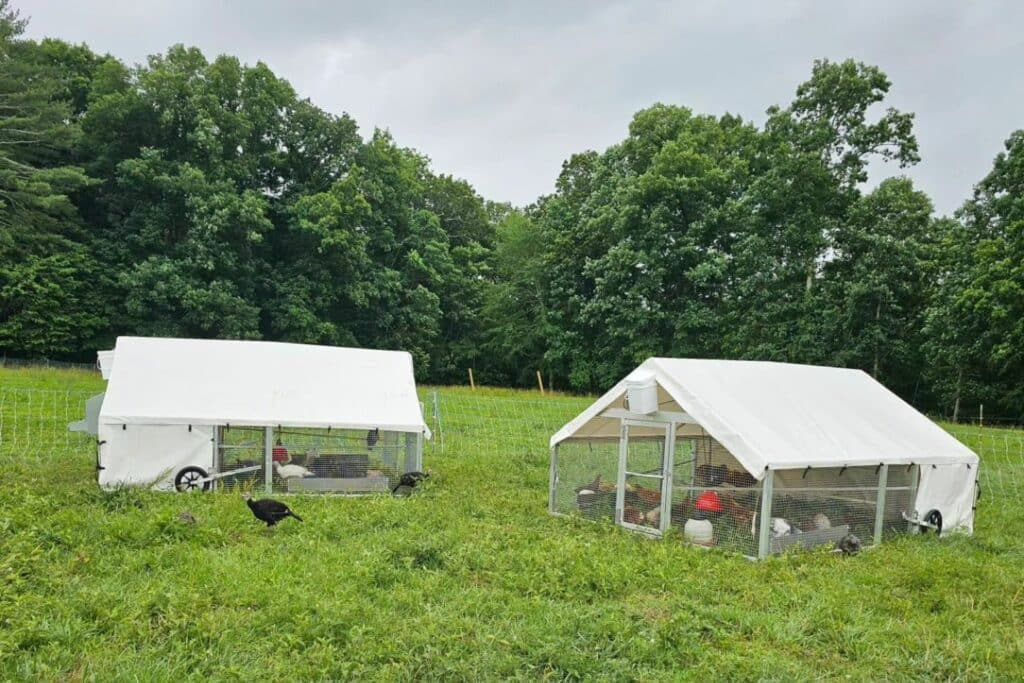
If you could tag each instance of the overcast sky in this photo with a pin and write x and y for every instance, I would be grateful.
(501, 97)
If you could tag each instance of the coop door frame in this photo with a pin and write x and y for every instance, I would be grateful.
(668, 448)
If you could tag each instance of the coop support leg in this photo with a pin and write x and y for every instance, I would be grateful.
(667, 472)
(553, 480)
(914, 474)
(763, 538)
(883, 481)
(218, 466)
(620, 485)
(268, 459)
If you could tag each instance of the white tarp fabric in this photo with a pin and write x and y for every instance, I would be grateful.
(783, 416)
(160, 381)
(152, 454)
(950, 489)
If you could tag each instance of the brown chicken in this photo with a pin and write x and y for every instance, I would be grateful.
(739, 515)
(739, 478)
(632, 515)
(649, 497)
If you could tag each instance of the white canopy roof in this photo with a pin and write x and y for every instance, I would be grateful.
(782, 416)
(201, 381)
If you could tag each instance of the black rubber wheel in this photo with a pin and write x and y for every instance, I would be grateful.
(190, 479)
(934, 517)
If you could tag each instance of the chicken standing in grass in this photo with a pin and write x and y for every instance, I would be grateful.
(408, 482)
(186, 517)
(849, 544)
(269, 510)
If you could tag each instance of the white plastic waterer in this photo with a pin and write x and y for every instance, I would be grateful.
(642, 393)
(699, 531)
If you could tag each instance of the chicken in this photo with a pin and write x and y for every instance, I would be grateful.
(739, 514)
(186, 518)
(849, 544)
(372, 437)
(269, 510)
(632, 515)
(592, 486)
(821, 521)
(739, 478)
(779, 527)
(710, 475)
(643, 494)
(408, 481)
(291, 471)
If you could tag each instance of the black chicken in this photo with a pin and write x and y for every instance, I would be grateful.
(269, 510)
(372, 437)
(849, 544)
(409, 480)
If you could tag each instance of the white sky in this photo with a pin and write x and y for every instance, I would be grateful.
(502, 95)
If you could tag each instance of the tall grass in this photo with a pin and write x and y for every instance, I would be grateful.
(468, 579)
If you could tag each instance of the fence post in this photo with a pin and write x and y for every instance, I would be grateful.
(981, 414)
(540, 382)
(438, 420)
(883, 481)
(472, 384)
(767, 485)
(268, 459)
(553, 480)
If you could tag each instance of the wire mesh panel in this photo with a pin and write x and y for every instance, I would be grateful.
(586, 472)
(816, 506)
(240, 458)
(714, 499)
(341, 460)
(898, 500)
(34, 424)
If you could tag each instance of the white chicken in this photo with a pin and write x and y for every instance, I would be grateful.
(779, 527)
(291, 471)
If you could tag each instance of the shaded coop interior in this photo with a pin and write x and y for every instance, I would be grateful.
(314, 460)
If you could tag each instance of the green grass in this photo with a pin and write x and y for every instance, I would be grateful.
(469, 579)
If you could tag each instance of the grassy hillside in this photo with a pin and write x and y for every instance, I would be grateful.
(469, 579)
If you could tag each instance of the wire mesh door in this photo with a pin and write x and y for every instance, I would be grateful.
(643, 454)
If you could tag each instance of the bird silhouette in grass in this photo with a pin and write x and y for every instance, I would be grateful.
(849, 544)
(408, 482)
(269, 510)
(186, 517)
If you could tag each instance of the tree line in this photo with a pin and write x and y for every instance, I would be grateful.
(198, 198)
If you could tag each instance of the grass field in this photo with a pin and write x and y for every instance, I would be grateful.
(469, 579)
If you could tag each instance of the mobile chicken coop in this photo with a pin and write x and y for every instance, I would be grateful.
(195, 414)
(758, 456)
